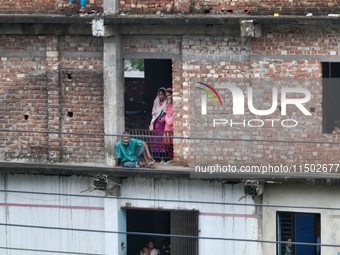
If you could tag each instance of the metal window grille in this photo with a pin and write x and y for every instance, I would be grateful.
(184, 223)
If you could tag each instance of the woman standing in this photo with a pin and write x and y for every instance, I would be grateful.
(168, 129)
(157, 124)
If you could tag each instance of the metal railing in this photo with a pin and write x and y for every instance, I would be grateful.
(159, 142)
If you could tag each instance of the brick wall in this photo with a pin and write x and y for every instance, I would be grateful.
(180, 6)
(180, 113)
(152, 44)
(23, 92)
(35, 83)
(284, 7)
(285, 56)
(225, 149)
(298, 40)
(46, 6)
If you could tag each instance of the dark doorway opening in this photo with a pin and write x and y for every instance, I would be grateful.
(174, 222)
(330, 96)
(147, 221)
(141, 91)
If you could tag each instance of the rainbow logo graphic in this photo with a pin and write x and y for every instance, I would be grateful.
(211, 92)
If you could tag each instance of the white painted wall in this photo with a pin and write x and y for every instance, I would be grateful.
(50, 211)
(308, 196)
(224, 221)
(105, 214)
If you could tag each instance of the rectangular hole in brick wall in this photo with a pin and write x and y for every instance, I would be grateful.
(143, 79)
(330, 97)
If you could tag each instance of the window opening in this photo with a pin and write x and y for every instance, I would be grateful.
(298, 227)
(143, 79)
(177, 222)
(330, 97)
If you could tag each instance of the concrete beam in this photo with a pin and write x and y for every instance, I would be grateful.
(181, 30)
(322, 58)
(183, 173)
(153, 19)
(92, 170)
(44, 29)
(148, 55)
(99, 29)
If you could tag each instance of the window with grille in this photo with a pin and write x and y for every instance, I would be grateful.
(299, 227)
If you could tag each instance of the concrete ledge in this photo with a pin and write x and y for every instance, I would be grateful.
(91, 170)
(167, 172)
(151, 19)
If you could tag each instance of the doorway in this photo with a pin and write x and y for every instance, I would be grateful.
(146, 221)
(173, 222)
(141, 90)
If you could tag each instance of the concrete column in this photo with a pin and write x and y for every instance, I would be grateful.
(111, 6)
(114, 113)
(115, 220)
(54, 85)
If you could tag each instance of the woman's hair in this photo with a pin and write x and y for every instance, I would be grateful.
(161, 90)
(169, 90)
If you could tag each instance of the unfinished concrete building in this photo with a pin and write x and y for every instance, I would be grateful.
(273, 67)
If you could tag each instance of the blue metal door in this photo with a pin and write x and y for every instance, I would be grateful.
(304, 233)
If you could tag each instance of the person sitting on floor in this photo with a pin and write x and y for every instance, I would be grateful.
(130, 151)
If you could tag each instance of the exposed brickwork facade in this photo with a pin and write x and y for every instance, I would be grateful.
(55, 83)
(298, 40)
(305, 73)
(45, 6)
(35, 83)
(231, 7)
(237, 7)
(152, 44)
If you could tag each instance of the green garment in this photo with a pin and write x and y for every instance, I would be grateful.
(128, 153)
